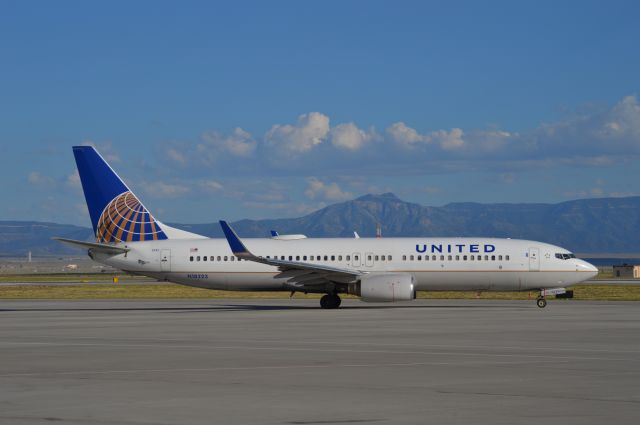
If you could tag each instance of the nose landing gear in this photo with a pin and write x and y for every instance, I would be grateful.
(330, 301)
(541, 302)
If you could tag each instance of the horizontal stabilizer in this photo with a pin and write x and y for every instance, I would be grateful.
(99, 247)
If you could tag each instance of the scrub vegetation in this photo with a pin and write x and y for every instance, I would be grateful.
(172, 291)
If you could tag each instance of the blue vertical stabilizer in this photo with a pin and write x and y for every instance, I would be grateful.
(116, 213)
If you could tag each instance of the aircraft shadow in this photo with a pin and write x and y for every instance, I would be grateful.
(255, 307)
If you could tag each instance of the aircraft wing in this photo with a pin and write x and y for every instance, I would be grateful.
(298, 274)
(99, 247)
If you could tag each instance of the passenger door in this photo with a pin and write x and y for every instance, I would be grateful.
(534, 259)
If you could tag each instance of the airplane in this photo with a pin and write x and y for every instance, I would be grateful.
(129, 237)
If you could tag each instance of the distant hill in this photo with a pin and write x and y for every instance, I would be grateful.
(586, 225)
(17, 238)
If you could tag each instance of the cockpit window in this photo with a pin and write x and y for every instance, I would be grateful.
(565, 256)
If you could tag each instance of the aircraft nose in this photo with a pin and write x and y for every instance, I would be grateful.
(587, 268)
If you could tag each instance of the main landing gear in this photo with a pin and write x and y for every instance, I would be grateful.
(541, 302)
(330, 301)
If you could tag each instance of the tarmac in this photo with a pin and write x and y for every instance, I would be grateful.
(288, 362)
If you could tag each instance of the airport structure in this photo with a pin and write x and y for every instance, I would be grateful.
(627, 271)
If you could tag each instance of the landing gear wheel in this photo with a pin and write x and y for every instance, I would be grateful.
(330, 301)
(542, 303)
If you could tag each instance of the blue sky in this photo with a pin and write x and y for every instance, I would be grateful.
(274, 109)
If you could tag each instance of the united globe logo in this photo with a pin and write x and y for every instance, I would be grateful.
(125, 219)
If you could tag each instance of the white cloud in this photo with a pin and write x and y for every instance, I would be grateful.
(238, 143)
(211, 186)
(448, 140)
(176, 156)
(310, 131)
(317, 189)
(35, 178)
(400, 133)
(407, 136)
(73, 180)
(160, 189)
(612, 131)
(594, 138)
(349, 136)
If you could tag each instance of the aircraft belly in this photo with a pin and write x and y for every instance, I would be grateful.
(468, 281)
(550, 279)
(229, 281)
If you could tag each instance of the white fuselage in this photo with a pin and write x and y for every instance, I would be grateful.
(438, 264)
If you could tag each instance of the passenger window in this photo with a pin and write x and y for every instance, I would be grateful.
(304, 258)
(198, 258)
(390, 258)
(404, 258)
(411, 257)
(419, 257)
(442, 258)
(369, 257)
(297, 258)
(355, 257)
(348, 258)
(457, 258)
(191, 258)
(339, 257)
(218, 258)
(433, 257)
(493, 258)
(225, 258)
(472, 257)
(506, 257)
(499, 257)
(383, 258)
(464, 257)
(232, 258)
(204, 258)
(449, 257)
(426, 258)
(282, 257)
(486, 258)
(377, 258)
(333, 258)
(326, 258)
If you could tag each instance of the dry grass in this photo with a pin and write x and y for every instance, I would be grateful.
(66, 277)
(171, 291)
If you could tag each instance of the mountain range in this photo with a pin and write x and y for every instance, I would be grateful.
(600, 225)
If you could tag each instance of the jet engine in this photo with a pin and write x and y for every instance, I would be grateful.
(385, 287)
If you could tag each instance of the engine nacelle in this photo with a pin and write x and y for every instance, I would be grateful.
(385, 287)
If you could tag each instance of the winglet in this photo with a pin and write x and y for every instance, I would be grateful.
(274, 234)
(236, 245)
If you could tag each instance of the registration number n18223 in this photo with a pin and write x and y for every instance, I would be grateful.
(197, 276)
